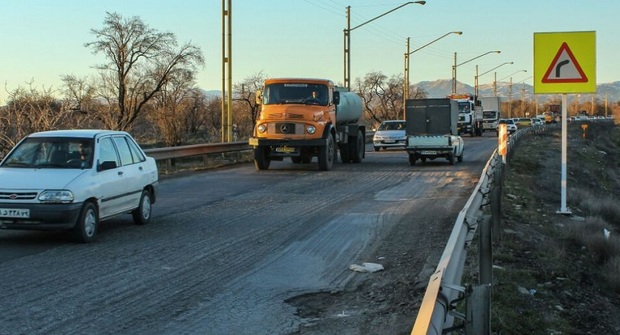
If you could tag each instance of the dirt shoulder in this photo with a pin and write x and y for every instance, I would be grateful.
(548, 277)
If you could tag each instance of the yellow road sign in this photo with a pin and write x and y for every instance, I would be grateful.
(565, 62)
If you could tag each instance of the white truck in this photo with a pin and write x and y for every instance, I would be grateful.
(432, 130)
(491, 112)
(470, 114)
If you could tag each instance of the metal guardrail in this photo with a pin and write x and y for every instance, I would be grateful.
(438, 309)
(169, 154)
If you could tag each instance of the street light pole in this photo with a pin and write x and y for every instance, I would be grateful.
(467, 61)
(480, 75)
(407, 62)
(347, 38)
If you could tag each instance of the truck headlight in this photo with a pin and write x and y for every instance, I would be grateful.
(56, 196)
(262, 128)
(311, 129)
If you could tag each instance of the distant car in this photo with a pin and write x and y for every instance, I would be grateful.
(537, 122)
(510, 125)
(582, 118)
(390, 134)
(524, 122)
(74, 179)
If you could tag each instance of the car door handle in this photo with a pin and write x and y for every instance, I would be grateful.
(140, 168)
(120, 173)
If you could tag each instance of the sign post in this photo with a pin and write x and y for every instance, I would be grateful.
(564, 63)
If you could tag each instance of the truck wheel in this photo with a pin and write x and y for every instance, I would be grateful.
(357, 152)
(377, 148)
(423, 160)
(296, 160)
(345, 155)
(459, 158)
(327, 154)
(261, 161)
(88, 221)
(451, 158)
(412, 159)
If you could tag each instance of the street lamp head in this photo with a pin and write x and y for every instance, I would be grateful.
(420, 2)
(458, 32)
(498, 51)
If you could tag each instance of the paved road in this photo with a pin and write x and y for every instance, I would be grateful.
(225, 248)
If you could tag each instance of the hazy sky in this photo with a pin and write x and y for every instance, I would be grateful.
(42, 40)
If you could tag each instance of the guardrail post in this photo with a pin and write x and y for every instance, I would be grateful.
(479, 311)
(486, 251)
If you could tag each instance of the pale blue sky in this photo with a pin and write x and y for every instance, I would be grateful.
(42, 40)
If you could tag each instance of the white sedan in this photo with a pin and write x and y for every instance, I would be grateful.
(74, 179)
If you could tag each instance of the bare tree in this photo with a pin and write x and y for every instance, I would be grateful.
(245, 95)
(141, 61)
(382, 96)
(30, 110)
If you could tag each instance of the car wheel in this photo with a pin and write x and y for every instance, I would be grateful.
(88, 222)
(142, 214)
(377, 148)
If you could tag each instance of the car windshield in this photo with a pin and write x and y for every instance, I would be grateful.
(392, 126)
(506, 121)
(51, 152)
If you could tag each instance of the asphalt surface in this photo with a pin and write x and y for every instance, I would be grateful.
(225, 248)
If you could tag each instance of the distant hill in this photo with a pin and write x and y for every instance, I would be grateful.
(443, 87)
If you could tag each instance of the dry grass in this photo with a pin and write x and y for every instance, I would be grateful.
(572, 265)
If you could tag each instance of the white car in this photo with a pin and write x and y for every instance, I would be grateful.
(511, 126)
(390, 134)
(74, 179)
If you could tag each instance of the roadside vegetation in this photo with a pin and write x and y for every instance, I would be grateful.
(556, 273)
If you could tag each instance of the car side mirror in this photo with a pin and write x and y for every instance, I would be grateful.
(107, 165)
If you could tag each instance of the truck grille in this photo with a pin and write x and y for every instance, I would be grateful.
(286, 128)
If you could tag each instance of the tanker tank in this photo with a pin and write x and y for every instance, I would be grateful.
(350, 109)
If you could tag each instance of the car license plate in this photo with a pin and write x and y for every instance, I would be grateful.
(14, 213)
(389, 141)
(286, 150)
(429, 152)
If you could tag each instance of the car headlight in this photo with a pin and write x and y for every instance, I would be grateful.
(311, 129)
(262, 128)
(56, 196)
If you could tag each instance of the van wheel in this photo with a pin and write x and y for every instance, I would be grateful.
(412, 159)
(87, 224)
(142, 214)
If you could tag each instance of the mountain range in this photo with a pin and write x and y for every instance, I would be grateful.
(443, 87)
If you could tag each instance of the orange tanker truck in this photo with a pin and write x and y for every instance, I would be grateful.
(302, 118)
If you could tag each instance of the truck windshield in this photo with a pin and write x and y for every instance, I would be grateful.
(464, 107)
(295, 93)
(489, 115)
